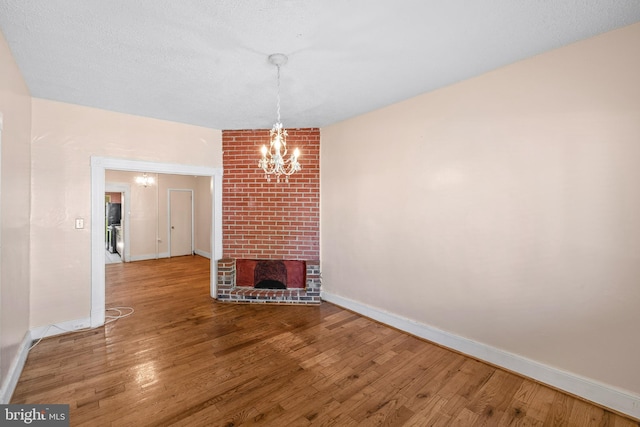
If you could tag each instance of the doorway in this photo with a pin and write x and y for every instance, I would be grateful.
(118, 253)
(98, 167)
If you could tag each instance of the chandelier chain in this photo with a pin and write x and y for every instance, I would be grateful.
(278, 95)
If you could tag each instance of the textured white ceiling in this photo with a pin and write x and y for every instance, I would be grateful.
(204, 62)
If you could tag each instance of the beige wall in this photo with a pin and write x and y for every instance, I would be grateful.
(503, 209)
(203, 215)
(64, 137)
(15, 114)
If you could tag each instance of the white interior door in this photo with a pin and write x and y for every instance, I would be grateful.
(181, 222)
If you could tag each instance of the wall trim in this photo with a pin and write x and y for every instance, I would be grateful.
(17, 364)
(146, 257)
(60, 328)
(599, 393)
(203, 253)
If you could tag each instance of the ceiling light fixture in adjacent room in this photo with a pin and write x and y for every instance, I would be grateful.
(145, 180)
(274, 159)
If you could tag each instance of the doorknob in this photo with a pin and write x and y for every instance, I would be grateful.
(172, 227)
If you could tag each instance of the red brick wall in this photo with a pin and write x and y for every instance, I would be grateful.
(270, 220)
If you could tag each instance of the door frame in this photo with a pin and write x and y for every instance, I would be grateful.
(98, 167)
(187, 190)
(3, 392)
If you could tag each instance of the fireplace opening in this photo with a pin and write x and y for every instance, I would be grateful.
(270, 275)
(270, 284)
(236, 282)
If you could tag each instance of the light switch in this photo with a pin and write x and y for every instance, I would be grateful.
(79, 223)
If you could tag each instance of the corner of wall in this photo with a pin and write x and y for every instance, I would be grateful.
(601, 394)
(17, 364)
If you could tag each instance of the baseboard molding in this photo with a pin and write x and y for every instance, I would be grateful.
(146, 257)
(203, 253)
(601, 394)
(13, 375)
(60, 328)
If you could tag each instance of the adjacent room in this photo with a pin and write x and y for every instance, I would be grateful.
(321, 213)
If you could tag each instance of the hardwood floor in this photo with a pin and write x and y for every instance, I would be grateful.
(185, 359)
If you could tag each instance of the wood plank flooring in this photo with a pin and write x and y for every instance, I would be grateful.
(184, 359)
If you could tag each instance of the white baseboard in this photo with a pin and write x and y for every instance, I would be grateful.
(13, 375)
(146, 257)
(203, 254)
(602, 394)
(60, 328)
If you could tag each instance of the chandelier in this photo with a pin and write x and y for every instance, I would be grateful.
(274, 159)
(144, 180)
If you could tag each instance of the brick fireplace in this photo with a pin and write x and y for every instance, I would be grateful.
(229, 291)
(264, 220)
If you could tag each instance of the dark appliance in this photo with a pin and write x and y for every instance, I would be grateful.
(113, 213)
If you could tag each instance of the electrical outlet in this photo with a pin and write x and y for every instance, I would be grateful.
(79, 223)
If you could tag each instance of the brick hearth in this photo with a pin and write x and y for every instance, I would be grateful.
(229, 292)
